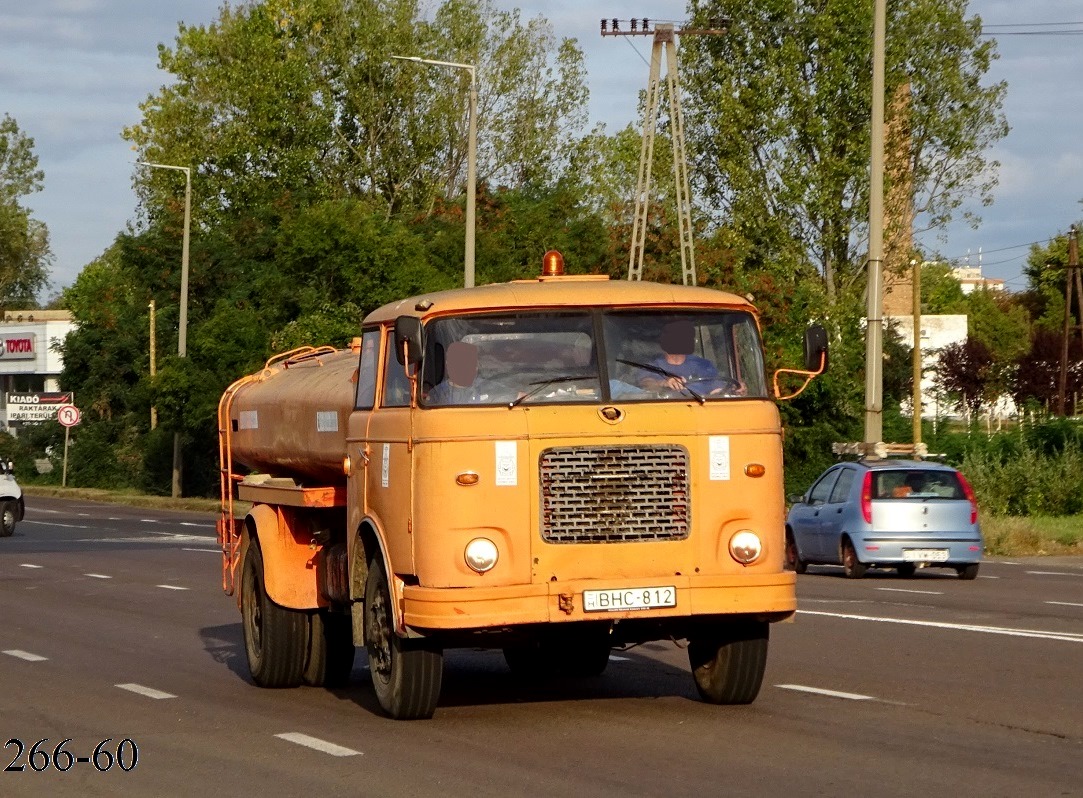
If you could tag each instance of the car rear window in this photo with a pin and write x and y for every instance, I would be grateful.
(916, 484)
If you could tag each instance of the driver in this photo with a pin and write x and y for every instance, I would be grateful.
(678, 340)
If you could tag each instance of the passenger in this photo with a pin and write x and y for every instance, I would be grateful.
(460, 385)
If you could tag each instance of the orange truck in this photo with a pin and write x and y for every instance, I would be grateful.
(555, 467)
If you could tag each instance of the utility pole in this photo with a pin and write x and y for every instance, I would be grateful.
(915, 268)
(874, 315)
(665, 38)
(153, 364)
(1073, 277)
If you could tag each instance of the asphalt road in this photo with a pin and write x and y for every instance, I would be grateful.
(113, 627)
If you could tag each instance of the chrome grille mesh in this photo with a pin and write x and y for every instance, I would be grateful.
(612, 494)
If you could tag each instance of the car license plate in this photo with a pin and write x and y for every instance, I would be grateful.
(633, 598)
(925, 555)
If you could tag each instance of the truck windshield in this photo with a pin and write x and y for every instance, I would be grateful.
(557, 357)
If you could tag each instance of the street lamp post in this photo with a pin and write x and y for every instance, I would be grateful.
(471, 159)
(182, 338)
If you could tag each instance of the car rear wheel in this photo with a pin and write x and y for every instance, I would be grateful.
(968, 571)
(851, 565)
(793, 556)
(728, 662)
(906, 569)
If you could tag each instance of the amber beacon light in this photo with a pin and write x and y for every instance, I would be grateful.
(552, 264)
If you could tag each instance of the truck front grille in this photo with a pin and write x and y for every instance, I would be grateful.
(614, 494)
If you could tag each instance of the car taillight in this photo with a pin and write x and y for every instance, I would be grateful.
(969, 491)
(866, 497)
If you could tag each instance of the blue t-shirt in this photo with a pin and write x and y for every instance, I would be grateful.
(693, 369)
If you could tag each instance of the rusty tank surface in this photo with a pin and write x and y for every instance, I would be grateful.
(289, 419)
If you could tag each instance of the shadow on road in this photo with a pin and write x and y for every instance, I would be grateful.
(480, 677)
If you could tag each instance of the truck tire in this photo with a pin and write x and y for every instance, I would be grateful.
(406, 674)
(9, 515)
(330, 650)
(275, 638)
(728, 662)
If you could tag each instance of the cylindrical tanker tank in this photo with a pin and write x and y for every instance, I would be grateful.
(290, 419)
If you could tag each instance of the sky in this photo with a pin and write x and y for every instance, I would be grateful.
(73, 72)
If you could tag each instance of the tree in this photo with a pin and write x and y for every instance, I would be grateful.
(280, 102)
(966, 372)
(24, 241)
(780, 120)
(941, 293)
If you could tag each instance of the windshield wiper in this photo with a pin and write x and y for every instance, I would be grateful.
(543, 384)
(663, 372)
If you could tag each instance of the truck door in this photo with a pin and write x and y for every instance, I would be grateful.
(389, 470)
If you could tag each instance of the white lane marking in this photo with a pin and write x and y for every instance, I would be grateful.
(615, 658)
(316, 743)
(30, 565)
(172, 587)
(1053, 573)
(98, 576)
(1006, 562)
(83, 515)
(1064, 637)
(193, 523)
(149, 692)
(149, 521)
(212, 551)
(830, 693)
(154, 537)
(986, 576)
(63, 526)
(14, 652)
(904, 590)
(1065, 603)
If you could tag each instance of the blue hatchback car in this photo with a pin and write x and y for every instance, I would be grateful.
(901, 514)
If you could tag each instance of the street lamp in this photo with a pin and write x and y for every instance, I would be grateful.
(182, 339)
(471, 158)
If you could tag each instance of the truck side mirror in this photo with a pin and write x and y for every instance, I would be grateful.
(816, 348)
(408, 340)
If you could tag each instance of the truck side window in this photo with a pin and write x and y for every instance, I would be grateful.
(396, 383)
(366, 370)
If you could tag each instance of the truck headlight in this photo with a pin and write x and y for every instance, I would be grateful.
(745, 546)
(481, 555)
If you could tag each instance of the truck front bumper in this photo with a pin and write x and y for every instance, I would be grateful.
(556, 602)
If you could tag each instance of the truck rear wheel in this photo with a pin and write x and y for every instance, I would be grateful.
(330, 650)
(406, 674)
(275, 638)
(728, 662)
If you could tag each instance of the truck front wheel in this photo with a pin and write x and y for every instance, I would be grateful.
(406, 674)
(275, 638)
(9, 515)
(728, 661)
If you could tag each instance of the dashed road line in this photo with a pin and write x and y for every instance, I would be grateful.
(905, 590)
(1065, 603)
(98, 576)
(30, 565)
(149, 692)
(801, 688)
(1064, 637)
(212, 551)
(317, 744)
(1054, 573)
(18, 654)
(172, 587)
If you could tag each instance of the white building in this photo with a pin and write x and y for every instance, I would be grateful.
(936, 333)
(30, 360)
